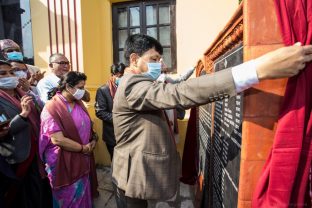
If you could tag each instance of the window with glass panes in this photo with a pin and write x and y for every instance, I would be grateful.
(154, 18)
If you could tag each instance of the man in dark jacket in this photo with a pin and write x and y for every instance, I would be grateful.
(104, 105)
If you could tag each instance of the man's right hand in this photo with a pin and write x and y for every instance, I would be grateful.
(284, 62)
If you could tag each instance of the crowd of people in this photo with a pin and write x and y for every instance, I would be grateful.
(46, 135)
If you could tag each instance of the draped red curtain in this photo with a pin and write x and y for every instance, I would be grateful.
(190, 153)
(285, 178)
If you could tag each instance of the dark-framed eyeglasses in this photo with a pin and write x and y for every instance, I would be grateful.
(62, 63)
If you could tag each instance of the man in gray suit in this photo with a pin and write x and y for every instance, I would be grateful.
(146, 165)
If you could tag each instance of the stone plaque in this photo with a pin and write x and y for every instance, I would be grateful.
(219, 155)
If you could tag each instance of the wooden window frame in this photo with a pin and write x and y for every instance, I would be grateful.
(143, 27)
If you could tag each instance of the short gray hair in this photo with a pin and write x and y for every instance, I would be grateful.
(54, 56)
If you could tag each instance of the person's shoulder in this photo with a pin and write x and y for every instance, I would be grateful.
(130, 79)
(42, 81)
(45, 114)
(135, 81)
(103, 88)
(32, 69)
(48, 78)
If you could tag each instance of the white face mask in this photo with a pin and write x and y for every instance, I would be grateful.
(79, 94)
(8, 82)
(21, 74)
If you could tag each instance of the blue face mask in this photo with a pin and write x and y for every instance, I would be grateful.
(15, 56)
(154, 70)
(117, 81)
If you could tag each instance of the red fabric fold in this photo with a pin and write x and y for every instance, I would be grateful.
(112, 86)
(190, 152)
(285, 178)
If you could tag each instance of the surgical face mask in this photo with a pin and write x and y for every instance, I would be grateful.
(79, 94)
(21, 74)
(8, 82)
(117, 81)
(154, 70)
(15, 56)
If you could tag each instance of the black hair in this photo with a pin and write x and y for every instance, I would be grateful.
(2, 62)
(117, 68)
(18, 61)
(71, 78)
(139, 44)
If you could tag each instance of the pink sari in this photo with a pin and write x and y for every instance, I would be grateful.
(77, 194)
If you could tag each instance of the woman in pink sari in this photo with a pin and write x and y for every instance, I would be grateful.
(66, 144)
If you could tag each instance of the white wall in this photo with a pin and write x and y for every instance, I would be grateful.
(198, 22)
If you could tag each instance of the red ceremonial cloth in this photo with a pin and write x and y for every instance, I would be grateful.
(285, 178)
(190, 152)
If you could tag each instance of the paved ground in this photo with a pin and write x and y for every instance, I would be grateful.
(184, 199)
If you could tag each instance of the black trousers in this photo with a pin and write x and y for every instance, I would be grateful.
(5, 183)
(123, 201)
(33, 191)
(110, 149)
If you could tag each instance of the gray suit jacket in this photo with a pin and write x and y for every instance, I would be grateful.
(15, 147)
(146, 164)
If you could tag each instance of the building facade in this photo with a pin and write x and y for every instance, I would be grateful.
(91, 34)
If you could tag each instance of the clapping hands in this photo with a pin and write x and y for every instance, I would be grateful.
(25, 104)
(36, 77)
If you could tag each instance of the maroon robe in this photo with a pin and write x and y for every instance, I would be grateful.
(190, 153)
(285, 178)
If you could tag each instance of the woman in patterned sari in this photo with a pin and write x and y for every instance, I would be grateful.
(66, 144)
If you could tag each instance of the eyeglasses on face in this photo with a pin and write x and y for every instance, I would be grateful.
(62, 63)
